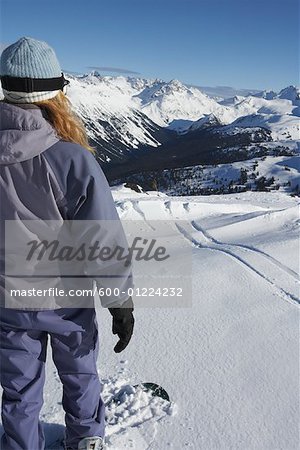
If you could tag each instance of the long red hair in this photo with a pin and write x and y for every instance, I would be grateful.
(68, 125)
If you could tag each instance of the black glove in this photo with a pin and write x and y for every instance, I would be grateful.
(123, 323)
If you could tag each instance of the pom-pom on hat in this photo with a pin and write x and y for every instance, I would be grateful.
(30, 71)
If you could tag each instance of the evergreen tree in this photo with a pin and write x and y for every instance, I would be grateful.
(261, 184)
(153, 185)
(243, 176)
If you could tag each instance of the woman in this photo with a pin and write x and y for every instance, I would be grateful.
(48, 171)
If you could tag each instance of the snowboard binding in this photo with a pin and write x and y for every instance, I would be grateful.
(91, 443)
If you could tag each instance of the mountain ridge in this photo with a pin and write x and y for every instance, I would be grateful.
(129, 118)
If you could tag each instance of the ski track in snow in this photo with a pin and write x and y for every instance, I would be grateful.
(226, 248)
(274, 270)
(263, 265)
(136, 207)
(247, 247)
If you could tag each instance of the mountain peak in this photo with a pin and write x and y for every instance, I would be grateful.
(174, 82)
(93, 73)
(207, 121)
(268, 95)
(290, 93)
(169, 88)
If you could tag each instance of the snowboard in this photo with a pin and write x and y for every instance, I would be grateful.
(152, 388)
(155, 390)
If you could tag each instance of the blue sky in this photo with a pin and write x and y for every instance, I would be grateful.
(239, 43)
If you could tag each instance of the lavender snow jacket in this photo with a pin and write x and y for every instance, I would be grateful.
(45, 178)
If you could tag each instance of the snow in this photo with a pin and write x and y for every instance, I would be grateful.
(229, 361)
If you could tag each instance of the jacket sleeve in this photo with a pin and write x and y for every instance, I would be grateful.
(87, 202)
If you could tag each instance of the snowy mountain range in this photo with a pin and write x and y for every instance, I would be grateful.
(125, 114)
(139, 124)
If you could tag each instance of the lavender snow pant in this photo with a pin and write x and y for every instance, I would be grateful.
(23, 343)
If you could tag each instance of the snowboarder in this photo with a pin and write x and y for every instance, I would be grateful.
(48, 171)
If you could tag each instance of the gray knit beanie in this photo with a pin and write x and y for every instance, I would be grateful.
(30, 71)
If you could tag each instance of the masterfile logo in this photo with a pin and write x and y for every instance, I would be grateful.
(54, 264)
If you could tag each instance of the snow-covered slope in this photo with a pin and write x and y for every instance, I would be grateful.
(283, 126)
(230, 360)
(278, 114)
(269, 173)
(112, 120)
